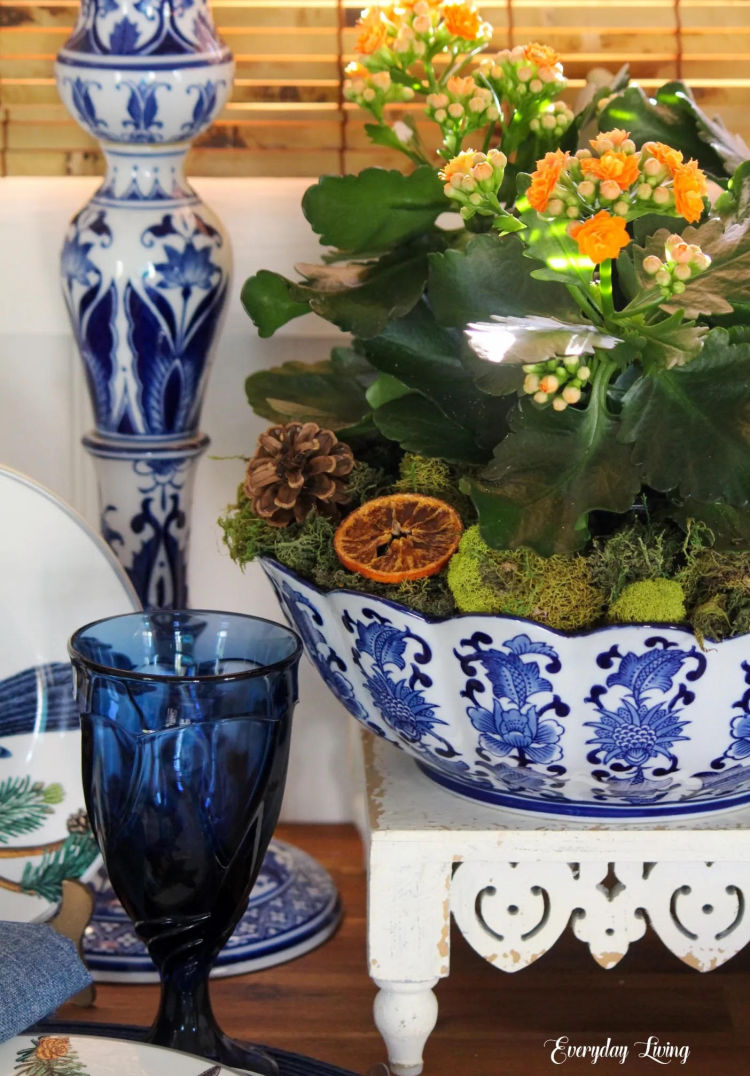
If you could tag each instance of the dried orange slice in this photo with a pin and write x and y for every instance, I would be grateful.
(403, 536)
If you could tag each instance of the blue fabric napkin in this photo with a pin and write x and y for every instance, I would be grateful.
(39, 970)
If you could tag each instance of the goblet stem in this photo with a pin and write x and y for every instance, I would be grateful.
(185, 1021)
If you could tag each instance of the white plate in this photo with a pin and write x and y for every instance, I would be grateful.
(89, 1055)
(56, 574)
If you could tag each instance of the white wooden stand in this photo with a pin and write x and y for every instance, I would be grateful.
(513, 882)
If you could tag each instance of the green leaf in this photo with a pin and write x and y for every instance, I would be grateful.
(726, 282)
(735, 201)
(331, 392)
(384, 389)
(419, 426)
(381, 134)
(549, 473)
(375, 210)
(547, 241)
(669, 343)
(730, 526)
(427, 357)
(358, 298)
(671, 117)
(271, 301)
(729, 147)
(490, 276)
(388, 290)
(690, 426)
(530, 340)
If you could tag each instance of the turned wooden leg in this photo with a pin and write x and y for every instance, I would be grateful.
(405, 1014)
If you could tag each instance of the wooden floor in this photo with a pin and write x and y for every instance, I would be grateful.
(490, 1023)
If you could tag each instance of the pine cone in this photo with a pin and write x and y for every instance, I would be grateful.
(78, 822)
(296, 468)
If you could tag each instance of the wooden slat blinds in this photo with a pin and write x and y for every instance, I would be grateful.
(286, 115)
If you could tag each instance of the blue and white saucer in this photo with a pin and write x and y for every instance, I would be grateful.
(294, 907)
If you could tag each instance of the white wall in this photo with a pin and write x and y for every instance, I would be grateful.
(44, 411)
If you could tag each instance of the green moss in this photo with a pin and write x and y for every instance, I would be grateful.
(484, 580)
(717, 585)
(643, 572)
(556, 591)
(431, 596)
(304, 547)
(658, 601)
(638, 550)
(433, 478)
(567, 599)
(245, 535)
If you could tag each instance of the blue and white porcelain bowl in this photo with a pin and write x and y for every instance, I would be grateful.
(628, 722)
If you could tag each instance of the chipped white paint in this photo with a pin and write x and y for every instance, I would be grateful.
(505, 910)
(513, 882)
(405, 1014)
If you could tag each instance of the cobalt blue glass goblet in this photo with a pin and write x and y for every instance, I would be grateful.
(185, 722)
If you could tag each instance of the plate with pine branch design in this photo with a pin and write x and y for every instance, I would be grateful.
(88, 1055)
(56, 574)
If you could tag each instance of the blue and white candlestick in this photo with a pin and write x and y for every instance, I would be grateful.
(145, 269)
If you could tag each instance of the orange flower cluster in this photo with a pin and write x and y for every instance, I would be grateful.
(545, 179)
(540, 55)
(402, 31)
(665, 168)
(472, 179)
(600, 237)
(613, 166)
(615, 177)
(462, 20)
(373, 31)
(690, 188)
(523, 72)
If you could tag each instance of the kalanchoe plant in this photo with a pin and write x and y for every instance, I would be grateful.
(555, 304)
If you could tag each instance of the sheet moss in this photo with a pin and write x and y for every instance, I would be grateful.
(556, 591)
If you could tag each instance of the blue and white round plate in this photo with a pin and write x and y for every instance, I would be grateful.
(294, 907)
(55, 575)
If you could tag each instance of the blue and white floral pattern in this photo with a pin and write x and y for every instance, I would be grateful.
(643, 719)
(144, 517)
(514, 726)
(740, 725)
(143, 109)
(145, 268)
(308, 622)
(623, 723)
(144, 28)
(380, 653)
(144, 72)
(145, 340)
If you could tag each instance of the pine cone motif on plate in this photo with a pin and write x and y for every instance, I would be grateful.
(296, 468)
(78, 822)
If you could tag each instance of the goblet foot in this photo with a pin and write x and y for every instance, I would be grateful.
(217, 1046)
(185, 1021)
